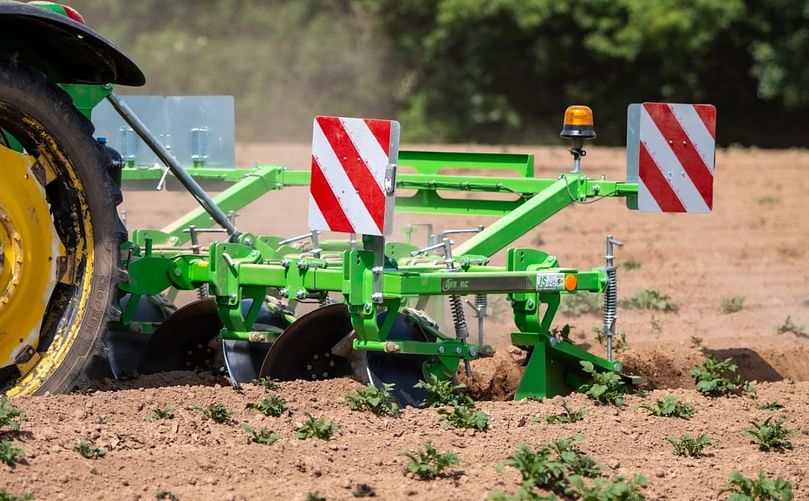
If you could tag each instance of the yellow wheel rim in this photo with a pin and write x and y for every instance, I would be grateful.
(30, 257)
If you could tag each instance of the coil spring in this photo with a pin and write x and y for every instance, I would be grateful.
(610, 300)
(481, 303)
(202, 292)
(458, 317)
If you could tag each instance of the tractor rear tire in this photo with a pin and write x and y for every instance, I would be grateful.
(82, 198)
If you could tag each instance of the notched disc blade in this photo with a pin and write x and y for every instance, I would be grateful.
(185, 341)
(303, 350)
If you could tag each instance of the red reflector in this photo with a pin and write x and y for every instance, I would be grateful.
(73, 14)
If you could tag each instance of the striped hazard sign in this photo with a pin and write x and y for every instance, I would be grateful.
(670, 154)
(353, 175)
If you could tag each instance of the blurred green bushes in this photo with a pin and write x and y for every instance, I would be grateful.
(498, 71)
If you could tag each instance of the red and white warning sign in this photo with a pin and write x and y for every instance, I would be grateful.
(353, 175)
(670, 153)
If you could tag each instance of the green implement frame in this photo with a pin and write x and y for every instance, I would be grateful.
(532, 280)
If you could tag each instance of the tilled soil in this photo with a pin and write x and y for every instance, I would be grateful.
(195, 458)
(752, 245)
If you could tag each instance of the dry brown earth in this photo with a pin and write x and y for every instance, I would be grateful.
(753, 245)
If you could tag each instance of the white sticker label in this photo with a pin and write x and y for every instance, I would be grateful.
(550, 281)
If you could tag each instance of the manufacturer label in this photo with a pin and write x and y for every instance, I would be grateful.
(547, 282)
(486, 284)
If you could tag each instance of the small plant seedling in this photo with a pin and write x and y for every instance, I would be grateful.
(9, 415)
(771, 435)
(270, 406)
(649, 299)
(715, 378)
(427, 463)
(314, 496)
(743, 488)
(363, 491)
(89, 451)
(619, 344)
(319, 428)
(261, 436)
(771, 406)
(670, 407)
(728, 305)
(631, 264)
(165, 412)
(790, 327)
(267, 383)
(443, 392)
(10, 454)
(376, 400)
(550, 467)
(616, 489)
(562, 333)
(567, 415)
(581, 303)
(216, 412)
(7, 496)
(767, 200)
(689, 445)
(168, 495)
(465, 416)
(606, 387)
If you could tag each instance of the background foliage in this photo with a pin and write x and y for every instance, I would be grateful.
(498, 71)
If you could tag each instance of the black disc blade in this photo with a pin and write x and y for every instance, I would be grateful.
(243, 359)
(403, 371)
(303, 350)
(125, 347)
(185, 341)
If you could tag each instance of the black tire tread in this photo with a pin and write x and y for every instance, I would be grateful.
(29, 88)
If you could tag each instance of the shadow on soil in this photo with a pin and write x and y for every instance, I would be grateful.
(752, 366)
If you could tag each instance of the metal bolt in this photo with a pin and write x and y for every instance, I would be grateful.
(285, 263)
(458, 350)
(248, 241)
(283, 293)
(177, 272)
(473, 352)
(377, 297)
(440, 349)
(301, 294)
(376, 270)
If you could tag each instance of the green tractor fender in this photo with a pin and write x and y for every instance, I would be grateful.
(66, 50)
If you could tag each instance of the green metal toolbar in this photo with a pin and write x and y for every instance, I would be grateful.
(533, 281)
